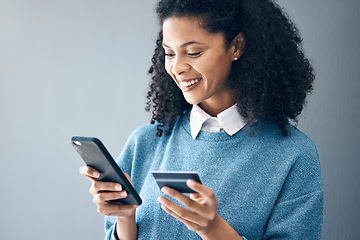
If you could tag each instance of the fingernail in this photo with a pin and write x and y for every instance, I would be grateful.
(164, 190)
(123, 194)
(160, 200)
(190, 182)
(83, 169)
(96, 174)
(118, 187)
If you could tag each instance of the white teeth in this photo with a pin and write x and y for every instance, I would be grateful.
(189, 83)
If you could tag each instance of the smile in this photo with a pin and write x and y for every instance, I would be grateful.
(189, 83)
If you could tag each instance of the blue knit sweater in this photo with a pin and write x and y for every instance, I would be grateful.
(267, 186)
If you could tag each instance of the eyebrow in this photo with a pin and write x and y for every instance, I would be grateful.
(185, 44)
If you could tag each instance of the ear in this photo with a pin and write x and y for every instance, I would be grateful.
(238, 44)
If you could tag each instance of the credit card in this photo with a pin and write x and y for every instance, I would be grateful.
(176, 180)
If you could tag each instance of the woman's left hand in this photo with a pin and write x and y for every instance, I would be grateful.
(200, 215)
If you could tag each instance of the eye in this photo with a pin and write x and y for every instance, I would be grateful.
(195, 54)
(169, 54)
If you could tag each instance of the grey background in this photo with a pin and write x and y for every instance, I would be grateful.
(76, 67)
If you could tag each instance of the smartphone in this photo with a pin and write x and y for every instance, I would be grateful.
(176, 180)
(95, 155)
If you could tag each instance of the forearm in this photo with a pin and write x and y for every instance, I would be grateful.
(220, 230)
(126, 228)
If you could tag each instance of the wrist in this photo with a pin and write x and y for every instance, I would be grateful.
(220, 229)
(209, 232)
(126, 227)
(126, 218)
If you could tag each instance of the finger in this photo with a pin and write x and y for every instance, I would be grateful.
(181, 213)
(98, 186)
(184, 200)
(128, 178)
(190, 225)
(89, 172)
(204, 191)
(198, 187)
(206, 208)
(108, 196)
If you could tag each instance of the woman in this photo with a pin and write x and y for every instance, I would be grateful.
(227, 77)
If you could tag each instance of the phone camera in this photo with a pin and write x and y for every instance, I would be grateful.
(77, 143)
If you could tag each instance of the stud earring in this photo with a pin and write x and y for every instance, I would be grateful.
(235, 58)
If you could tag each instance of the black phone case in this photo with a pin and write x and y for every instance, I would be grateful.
(95, 155)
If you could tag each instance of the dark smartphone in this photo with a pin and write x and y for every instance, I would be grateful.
(95, 155)
(176, 180)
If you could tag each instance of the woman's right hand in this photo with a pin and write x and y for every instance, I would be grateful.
(103, 192)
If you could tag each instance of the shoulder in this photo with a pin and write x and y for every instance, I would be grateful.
(145, 132)
(146, 129)
(300, 138)
(149, 130)
(296, 140)
(294, 149)
(295, 155)
(305, 171)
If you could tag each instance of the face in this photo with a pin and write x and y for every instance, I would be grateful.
(199, 63)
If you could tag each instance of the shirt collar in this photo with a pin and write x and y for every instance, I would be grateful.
(230, 120)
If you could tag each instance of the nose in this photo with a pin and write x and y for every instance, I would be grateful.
(179, 66)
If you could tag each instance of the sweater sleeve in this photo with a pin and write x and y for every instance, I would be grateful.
(300, 218)
(298, 211)
(110, 226)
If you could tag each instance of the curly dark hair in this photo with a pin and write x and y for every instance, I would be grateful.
(270, 80)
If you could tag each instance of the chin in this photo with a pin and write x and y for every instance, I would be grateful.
(191, 101)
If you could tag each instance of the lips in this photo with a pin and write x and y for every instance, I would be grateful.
(187, 85)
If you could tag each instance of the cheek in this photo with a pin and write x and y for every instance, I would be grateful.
(216, 74)
(210, 68)
(168, 68)
(221, 67)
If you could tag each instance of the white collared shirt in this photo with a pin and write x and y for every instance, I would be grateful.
(229, 121)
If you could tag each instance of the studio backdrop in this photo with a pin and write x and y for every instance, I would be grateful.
(76, 67)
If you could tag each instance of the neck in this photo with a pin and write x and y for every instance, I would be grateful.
(213, 109)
